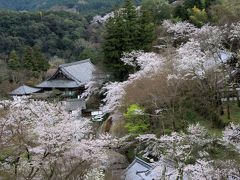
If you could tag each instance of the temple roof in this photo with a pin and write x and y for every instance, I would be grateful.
(59, 84)
(163, 169)
(76, 74)
(80, 71)
(24, 90)
(135, 169)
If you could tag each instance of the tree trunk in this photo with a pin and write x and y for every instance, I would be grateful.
(238, 99)
(228, 111)
(228, 106)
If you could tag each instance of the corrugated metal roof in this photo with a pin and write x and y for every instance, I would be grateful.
(59, 84)
(24, 90)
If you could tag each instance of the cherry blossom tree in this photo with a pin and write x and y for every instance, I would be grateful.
(102, 19)
(146, 64)
(91, 87)
(210, 37)
(179, 30)
(181, 148)
(40, 139)
(234, 31)
(231, 135)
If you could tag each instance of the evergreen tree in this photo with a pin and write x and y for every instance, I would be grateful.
(120, 36)
(28, 58)
(13, 63)
(160, 9)
(147, 30)
(131, 26)
(39, 61)
(126, 32)
(114, 46)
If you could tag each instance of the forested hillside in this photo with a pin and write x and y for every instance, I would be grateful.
(85, 6)
(28, 40)
(54, 33)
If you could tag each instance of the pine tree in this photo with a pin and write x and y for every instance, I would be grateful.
(160, 9)
(13, 63)
(124, 34)
(146, 31)
(39, 61)
(28, 58)
(115, 44)
(131, 26)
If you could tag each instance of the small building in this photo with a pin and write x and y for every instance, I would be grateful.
(70, 78)
(74, 106)
(141, 170)
(24, 90)
(97, 116)
(136, 169)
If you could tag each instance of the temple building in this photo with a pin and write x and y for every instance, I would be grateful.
(70, 78)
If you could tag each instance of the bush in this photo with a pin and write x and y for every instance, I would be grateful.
(137, 122)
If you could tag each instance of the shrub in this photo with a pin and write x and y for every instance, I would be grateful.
(137, 122)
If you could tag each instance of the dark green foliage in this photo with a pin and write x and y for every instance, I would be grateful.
(34, 60)
(90, 53)
(183, 11)
(14, 61)
(54, 33)
(40, 62)
(146, 30)
(225, 12)
(28, 59)
(201, 4)
(115, 44)
(159, 9)
(126, 32)
(218, 151)
(89, 7)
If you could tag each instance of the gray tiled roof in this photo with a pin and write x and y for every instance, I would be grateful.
(24, 90)
(74, 104)
(135, 169)
(80, 71)
(59, 84)
(141, 170)
(77, 73)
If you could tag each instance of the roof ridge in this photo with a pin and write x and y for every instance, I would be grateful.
(74, 63)
(69, 75)
(24, 90)
(141, 161)
(32, 87)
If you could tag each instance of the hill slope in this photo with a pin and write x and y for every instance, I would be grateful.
(79, 5)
